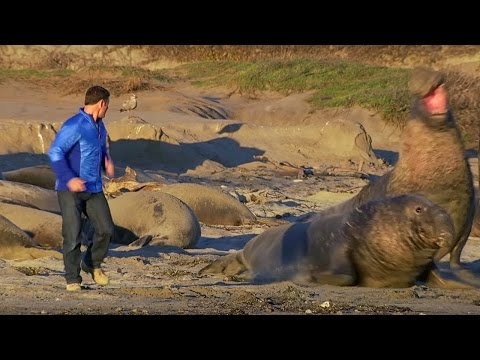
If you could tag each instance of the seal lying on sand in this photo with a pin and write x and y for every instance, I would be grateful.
(160, 217)
(36, 196)
(44, 227)
(40, 175)
(15, 244)
(432, 163)
(211, 205)
(384, 243)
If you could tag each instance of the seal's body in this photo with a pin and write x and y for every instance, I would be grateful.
(384, 243)
(432, 163)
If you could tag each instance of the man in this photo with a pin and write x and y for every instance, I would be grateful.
(77, 155)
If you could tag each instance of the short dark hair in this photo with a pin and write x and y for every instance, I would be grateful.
(96, 93)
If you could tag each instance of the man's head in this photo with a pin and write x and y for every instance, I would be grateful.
(97, 99)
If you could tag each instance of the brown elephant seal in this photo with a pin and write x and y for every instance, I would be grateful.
(44, 227)
(40, 175)
(163, 218)
(384, 243)
(16, 244)
(432, 162)
(211, 205)
(36, 196)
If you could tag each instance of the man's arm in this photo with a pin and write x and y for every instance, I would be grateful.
(66, 138)
(109, 166)
(107, 163)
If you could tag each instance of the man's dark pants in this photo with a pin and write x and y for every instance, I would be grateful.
(95, 206)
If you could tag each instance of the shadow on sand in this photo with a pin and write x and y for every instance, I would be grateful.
(179, 158)
(224, 243)
(16, 161)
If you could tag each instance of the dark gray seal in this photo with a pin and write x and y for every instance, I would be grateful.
(384, 243)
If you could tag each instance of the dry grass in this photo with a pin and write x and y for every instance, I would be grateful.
(116, 87)
(385, 55)
(119, 80)
(465, 101)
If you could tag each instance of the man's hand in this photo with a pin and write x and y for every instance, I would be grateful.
(109, 167)
(76, 184)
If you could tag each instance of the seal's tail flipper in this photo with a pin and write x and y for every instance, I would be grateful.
(436, 279)
(228, 265)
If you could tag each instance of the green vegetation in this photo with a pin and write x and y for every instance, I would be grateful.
(334, 83)
(32, 73)
(117, 72)
(127, 72)
(331, 82)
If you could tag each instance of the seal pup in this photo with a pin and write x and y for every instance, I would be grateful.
(383, 243)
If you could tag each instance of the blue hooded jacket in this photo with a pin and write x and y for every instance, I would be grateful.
(79, 150)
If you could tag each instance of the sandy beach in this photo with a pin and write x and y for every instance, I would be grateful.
(254, 149)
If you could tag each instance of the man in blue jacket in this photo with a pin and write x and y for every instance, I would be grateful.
(77, 156)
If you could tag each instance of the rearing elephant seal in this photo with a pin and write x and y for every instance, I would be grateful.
(431, 163)
(384, 243)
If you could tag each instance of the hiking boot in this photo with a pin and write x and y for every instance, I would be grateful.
(99, 277)
(74, 287)
(97, 274)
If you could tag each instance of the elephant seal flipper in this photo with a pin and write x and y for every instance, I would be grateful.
(142, 241)
(436, 280)
(231, 264)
